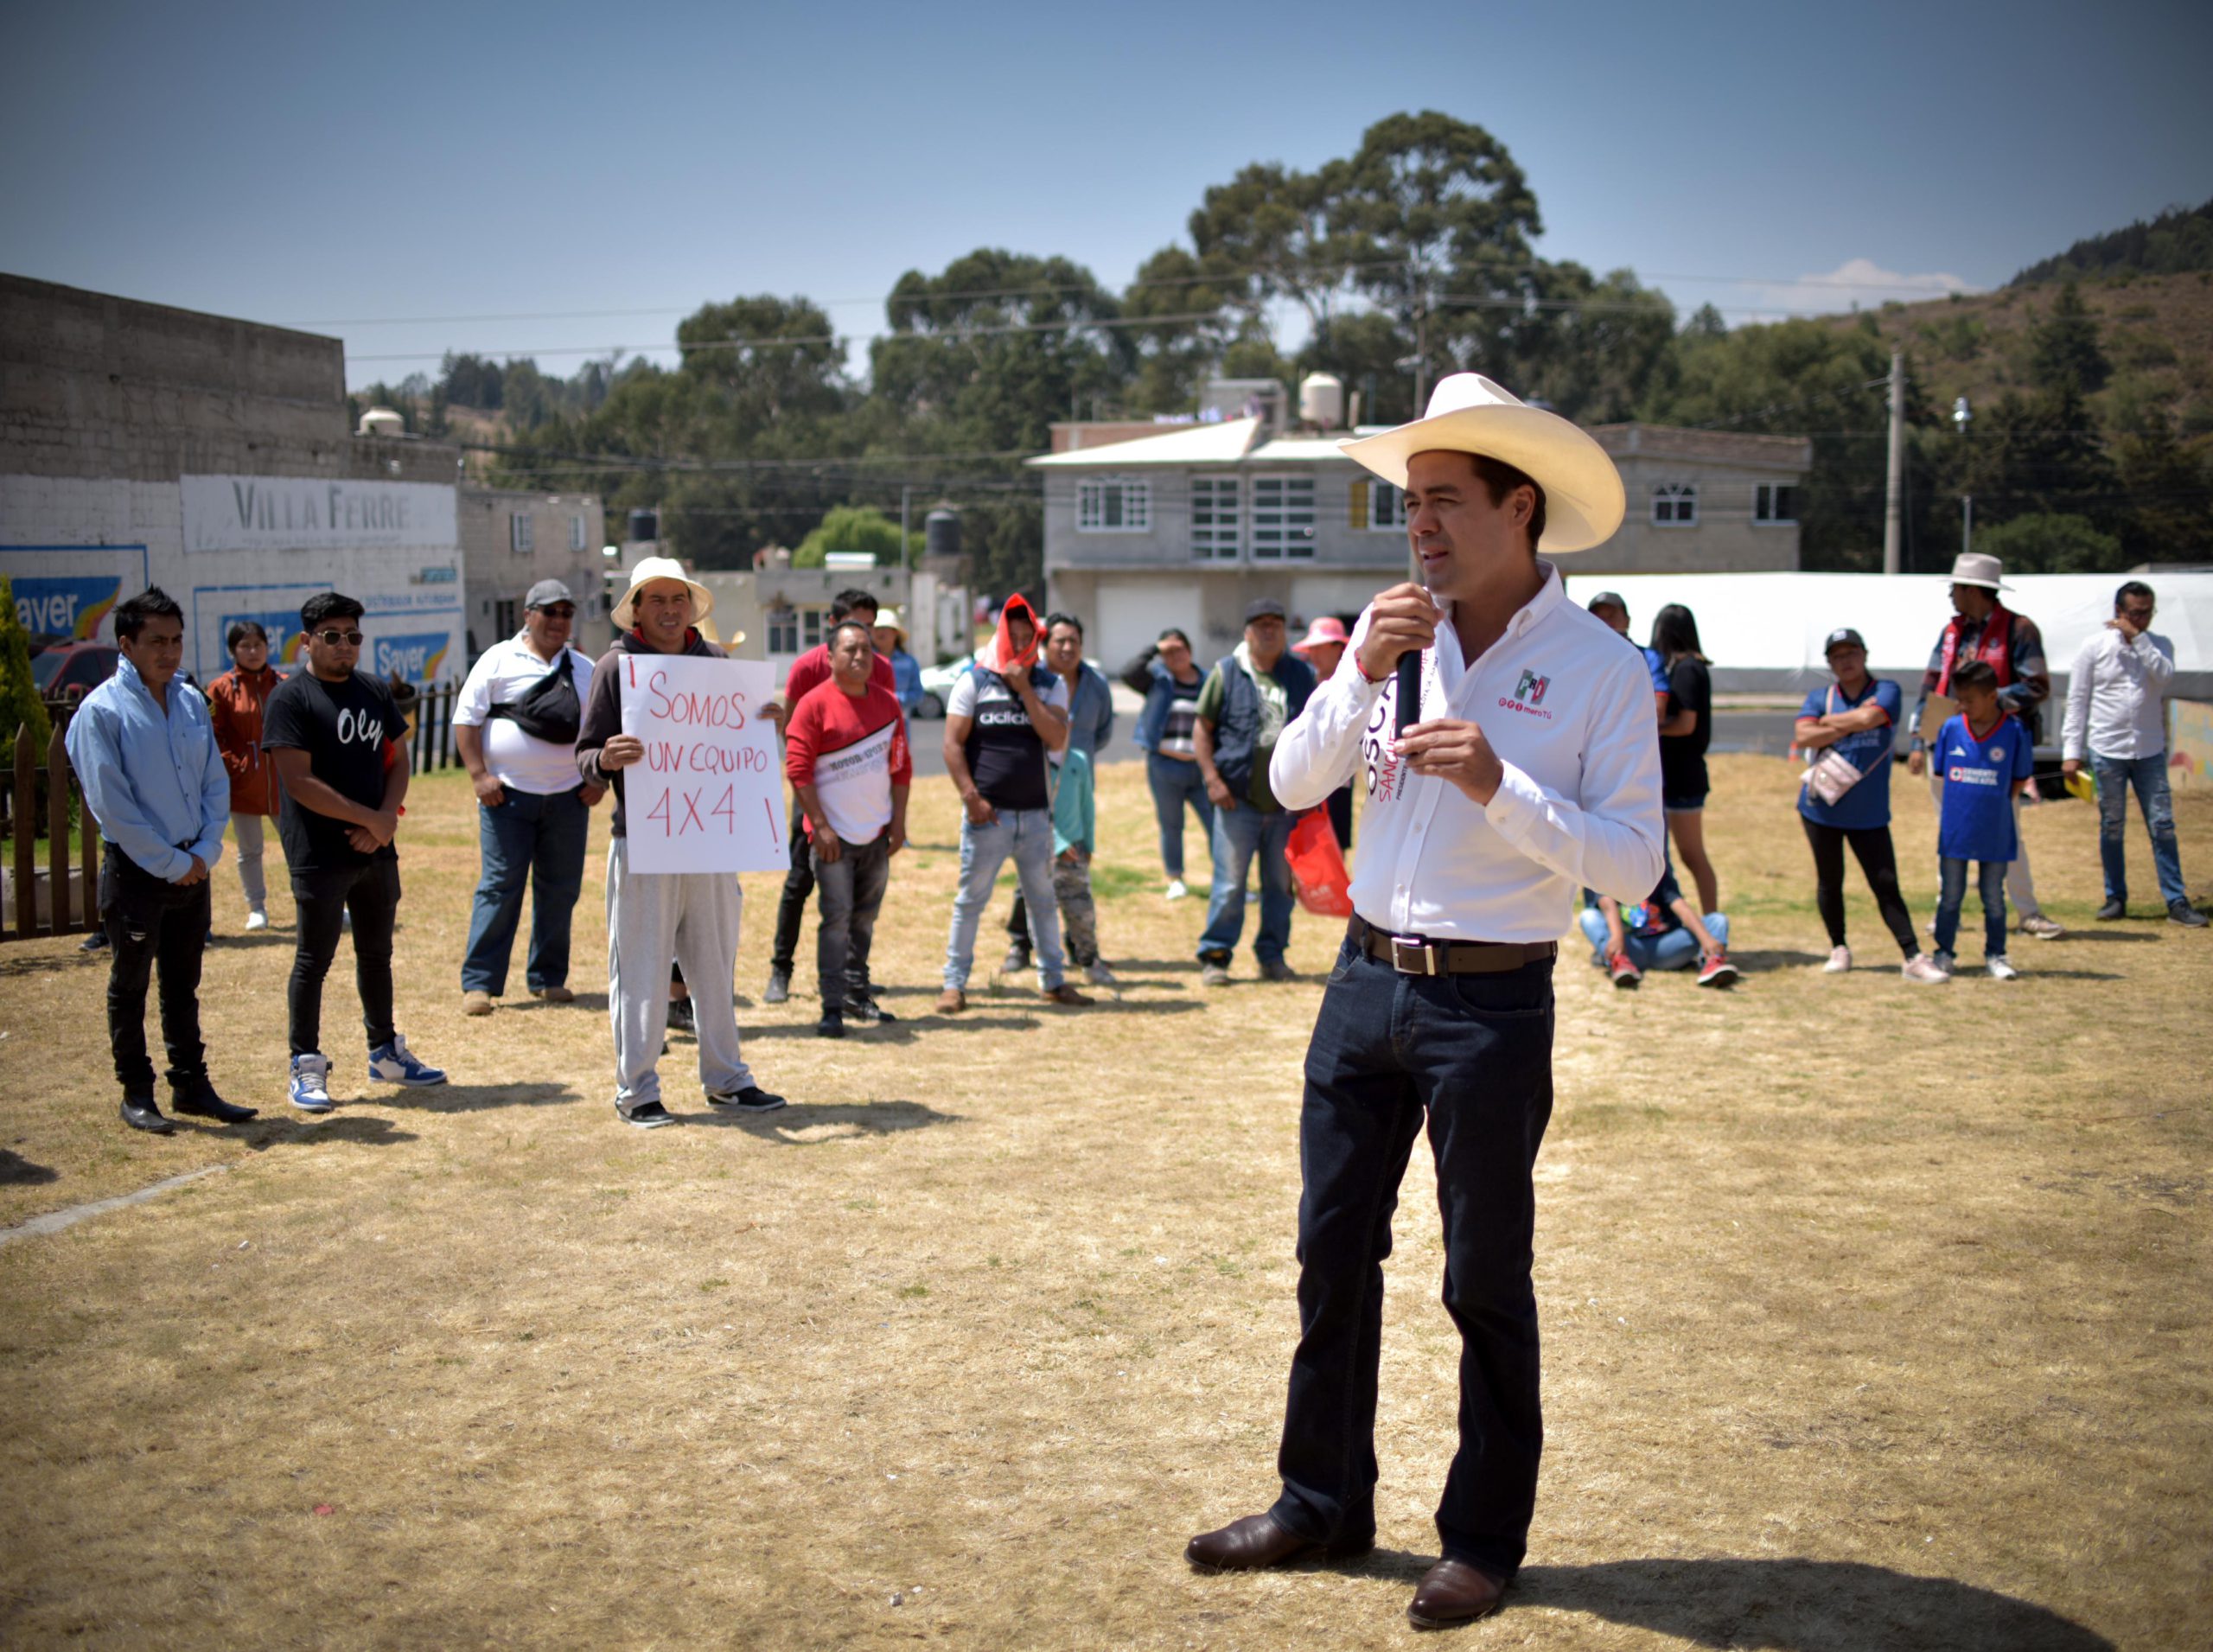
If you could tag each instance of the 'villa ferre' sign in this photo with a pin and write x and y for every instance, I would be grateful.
(305, 514)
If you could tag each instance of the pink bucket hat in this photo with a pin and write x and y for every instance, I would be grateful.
(1326, 628)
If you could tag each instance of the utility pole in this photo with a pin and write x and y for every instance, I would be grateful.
(1966, 523)
(906, 490)
(1893, 503)
(1421, 337)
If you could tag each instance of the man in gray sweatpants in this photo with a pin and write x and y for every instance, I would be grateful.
(654, 918)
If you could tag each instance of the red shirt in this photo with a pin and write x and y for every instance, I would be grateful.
(812, 669)
(852, 749)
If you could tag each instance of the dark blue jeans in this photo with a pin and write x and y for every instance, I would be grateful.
(1952, 894)
(1174, 785)
(2149, 777)
(538, 839)
(1471, 1055)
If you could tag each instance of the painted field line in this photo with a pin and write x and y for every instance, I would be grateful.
(55, 1221)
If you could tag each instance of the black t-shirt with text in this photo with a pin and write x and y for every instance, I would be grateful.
(343, 727)
(1682, 756)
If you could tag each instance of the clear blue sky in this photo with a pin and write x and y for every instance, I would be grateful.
(327, 166)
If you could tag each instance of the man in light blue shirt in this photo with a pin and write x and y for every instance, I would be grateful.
(145, 750)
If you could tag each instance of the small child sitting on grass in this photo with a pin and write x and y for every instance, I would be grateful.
(1986, 758)
(1663, 931)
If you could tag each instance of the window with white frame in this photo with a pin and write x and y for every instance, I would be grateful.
(1774, 505)
(1377, 506)
(1282, 518)
(810, 626)
(783, 630)
(1674, 504)
(1113, 505)
(575, 533)
(1214, 518)
(519, 533)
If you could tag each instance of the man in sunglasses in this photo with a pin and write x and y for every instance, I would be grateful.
(339, 742)
(515, 726)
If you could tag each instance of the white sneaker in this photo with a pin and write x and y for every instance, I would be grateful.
(1923, 968)
(256, 921)
(310, 1090)
(2039, 928)
(1176, 890)
(2000, 970)
(1839, 961)
(1097, 974)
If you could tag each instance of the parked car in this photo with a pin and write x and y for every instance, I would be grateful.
(73, 670)
(937, 685)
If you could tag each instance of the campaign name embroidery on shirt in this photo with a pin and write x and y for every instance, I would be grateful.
(1386, 773)
(1528, 696)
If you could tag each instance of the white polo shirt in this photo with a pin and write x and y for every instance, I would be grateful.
(503, 673)
(1569, 711)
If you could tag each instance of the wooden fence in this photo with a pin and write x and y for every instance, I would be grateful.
(70, 892)
(71, 905)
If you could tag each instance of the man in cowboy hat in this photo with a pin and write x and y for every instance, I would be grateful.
(1533, 769)
(656, 919)
(1982, 627)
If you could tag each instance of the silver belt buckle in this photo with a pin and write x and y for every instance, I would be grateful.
(1426, 959)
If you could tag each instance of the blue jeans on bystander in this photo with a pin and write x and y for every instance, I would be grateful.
(1952, 894)
(1176, 784)
(535, 839)
(1026, 834)
(2149, 777)
(1240, 835)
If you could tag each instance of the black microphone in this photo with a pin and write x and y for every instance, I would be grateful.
(1409, 710)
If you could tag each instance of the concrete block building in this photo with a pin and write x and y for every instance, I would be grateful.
(1147, 527)
(142, 444)
(510, 540)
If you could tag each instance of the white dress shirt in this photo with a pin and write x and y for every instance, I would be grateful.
(2113, 697)
(1569, 711)
(503, 673)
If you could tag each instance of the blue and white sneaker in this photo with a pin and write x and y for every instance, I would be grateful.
(395, 1064)
(310, 1080)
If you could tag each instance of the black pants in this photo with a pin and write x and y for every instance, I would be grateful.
(1470, 1055)
(1870, 846)
(371, 892)
(853, 893)
(1339, 803)
(798, 885)
(152, 926)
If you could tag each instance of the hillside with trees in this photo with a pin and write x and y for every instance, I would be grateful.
(2091, 397)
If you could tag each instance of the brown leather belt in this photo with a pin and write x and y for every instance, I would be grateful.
(1417, 955)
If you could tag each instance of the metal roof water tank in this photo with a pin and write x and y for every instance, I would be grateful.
(644, 525)
(942, 532)
(382, 421)
(1322, 401)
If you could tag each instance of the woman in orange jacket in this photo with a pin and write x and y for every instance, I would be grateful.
(235, 704)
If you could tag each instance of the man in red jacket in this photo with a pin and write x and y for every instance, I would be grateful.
(845, 754)
(809, 672)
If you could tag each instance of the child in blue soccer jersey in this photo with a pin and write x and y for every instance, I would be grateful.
(1985, 758)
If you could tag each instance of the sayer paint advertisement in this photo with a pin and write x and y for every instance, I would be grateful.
(69, 592)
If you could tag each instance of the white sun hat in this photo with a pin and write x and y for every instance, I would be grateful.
(1973, 568)
(653, 568)
(1468, 413)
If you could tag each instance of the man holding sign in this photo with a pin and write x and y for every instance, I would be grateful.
(658, 916)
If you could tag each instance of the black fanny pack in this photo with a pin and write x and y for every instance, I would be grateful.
(549, 708)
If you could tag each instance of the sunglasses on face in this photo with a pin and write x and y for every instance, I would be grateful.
(561, 611)
(333, 639)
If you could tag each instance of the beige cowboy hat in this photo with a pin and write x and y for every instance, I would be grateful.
(1468, 413)
(653, 568)
(1973, 568)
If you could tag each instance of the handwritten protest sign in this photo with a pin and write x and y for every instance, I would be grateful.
(708, 796)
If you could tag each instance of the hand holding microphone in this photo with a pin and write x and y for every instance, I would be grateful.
(1402, 622)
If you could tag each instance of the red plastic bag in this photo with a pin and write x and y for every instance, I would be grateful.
(1317, 866)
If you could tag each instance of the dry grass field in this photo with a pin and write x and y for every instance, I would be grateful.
(1875, 1316)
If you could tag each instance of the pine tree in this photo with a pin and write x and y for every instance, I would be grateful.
(2067, 352)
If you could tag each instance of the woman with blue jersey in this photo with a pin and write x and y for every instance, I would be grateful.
(1855, 719)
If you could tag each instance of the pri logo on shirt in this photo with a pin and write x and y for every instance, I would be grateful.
(1532, 688)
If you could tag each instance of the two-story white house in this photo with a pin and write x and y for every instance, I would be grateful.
(1186, 526)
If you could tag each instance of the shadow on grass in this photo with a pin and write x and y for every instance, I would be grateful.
(902, 1032)
(275, 935)
(1801, 1606)
(13, 965)
(1759, 963)
(476, 1098)
(355, 1130)
(809, 1124)
(2110, 935)
(19, 1172)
